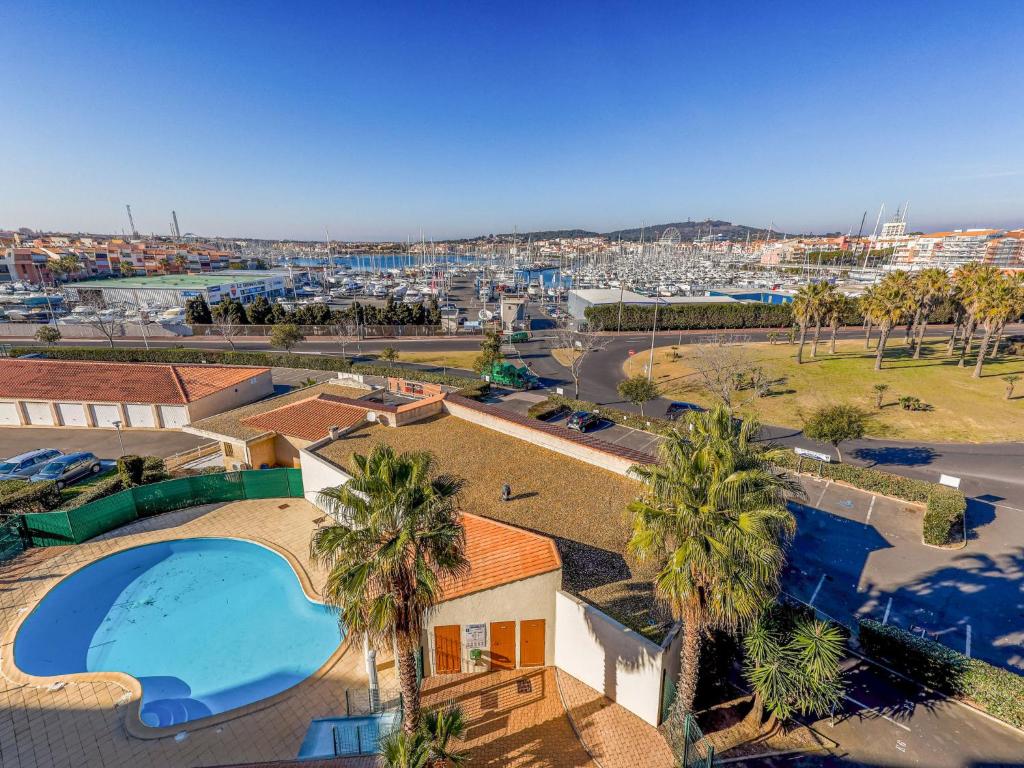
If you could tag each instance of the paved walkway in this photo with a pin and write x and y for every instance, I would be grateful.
(614, 736)
(516, 719)
(82, 724)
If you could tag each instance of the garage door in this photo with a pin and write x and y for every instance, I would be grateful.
(173, 415)
(105, 415)
(9, 413)
(71, 414)
(140, 415)
(39, 413)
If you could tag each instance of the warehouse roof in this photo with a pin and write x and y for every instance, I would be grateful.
(612, 296)
(89, 381)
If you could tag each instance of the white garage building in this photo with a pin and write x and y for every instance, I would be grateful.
(65, 393)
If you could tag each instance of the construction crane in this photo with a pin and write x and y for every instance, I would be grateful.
(175, 229)
(131, 222)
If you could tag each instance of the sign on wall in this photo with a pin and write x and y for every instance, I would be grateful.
(475, 635)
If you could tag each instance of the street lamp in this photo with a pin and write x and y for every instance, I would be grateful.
(117, 426)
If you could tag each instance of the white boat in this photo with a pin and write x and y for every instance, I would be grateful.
(174, 315)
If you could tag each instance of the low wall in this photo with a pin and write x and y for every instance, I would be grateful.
(82, 331)
(317, 472)
(564, 446)
(609, 657)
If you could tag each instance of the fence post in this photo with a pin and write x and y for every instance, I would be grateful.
(348, 706)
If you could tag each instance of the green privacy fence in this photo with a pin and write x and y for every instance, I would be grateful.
(73, 526)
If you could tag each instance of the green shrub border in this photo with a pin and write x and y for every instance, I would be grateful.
(865, 478)
(944, 516)
(30, 497)
(997, 691)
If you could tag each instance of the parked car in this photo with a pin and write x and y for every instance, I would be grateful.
(24, 465)
(69, 469)
(677, 409)
(581, 421)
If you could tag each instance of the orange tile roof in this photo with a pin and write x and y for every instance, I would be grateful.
(500, 554)
(88, 381)
(309, 419)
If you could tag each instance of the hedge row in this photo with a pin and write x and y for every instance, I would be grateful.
(998, 691)
(681, 317)
(29, 497)
(557, 404)
(944, 516)
(867, 478)
(217, 357)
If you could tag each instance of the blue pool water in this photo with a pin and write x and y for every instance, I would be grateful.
(205, 625)
(337, 736)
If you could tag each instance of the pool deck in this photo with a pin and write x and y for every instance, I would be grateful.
(527, 717)
(83, 724)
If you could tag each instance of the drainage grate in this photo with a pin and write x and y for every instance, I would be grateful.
(283, 506)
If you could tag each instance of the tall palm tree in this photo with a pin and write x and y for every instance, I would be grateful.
(807, 307)
(398, 539)
(865, 303)
(975, 286)
(713, 518)
(930, 287)
(1000, 302)
(891, 303)
(961, 277)
(837, 307)
(824, 296)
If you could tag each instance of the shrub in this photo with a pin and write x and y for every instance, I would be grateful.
(475, 390)
(547, 409)
(98, 490)
(154, 470)
(944, 516)
(31, 497)
(130, 468)
(691, 316)
(998, 691)
(867, 478)
(836, 424)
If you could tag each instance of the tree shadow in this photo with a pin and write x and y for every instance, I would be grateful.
(893, 455)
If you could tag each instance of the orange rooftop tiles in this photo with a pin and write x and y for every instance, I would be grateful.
(500, 554)
(309, 419)
(117, 382)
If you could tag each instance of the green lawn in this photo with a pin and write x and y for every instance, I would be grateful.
(442, 359)
(964, 409)
(82, 486)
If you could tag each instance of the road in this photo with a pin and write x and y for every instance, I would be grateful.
(102, 442)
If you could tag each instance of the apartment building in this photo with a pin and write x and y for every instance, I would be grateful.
(1003, 248)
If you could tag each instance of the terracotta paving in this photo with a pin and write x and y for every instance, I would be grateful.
(516, 719)
(82, 725)
(614, 736)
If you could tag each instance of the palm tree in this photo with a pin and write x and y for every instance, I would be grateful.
(807, 306)
(998, 303)
(890, 303)
(443, 726)
(398, 539)
(400, 749)
(962, 277)
(930, 287)
(713, 518)
(974, 291)
(837, 307)
(865, 302)
(824, 295)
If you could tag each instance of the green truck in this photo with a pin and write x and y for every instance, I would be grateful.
(507, 374)
(515, 337)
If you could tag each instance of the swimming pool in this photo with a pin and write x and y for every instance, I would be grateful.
(205, 625)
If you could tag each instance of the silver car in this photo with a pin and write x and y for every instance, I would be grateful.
(24, 465)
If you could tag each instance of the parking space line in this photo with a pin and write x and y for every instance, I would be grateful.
(878, 712)
(888, 607)
(817, 589)
(823, 492)
(870, 509)
(967, 650)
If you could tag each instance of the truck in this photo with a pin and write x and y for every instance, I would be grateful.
(515, 337)
(508, 374)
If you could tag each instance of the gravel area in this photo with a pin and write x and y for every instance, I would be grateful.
(579, 505)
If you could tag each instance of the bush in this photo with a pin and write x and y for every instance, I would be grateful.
(998, 691)
(154, 470)
(130, 469)
(944, 516)
(30, 497)
(547, 409)
(475, 390)
(677, 317)
(98, 490)
(867, 479)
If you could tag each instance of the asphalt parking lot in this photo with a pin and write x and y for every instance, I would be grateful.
(102, 442)
(860, 555)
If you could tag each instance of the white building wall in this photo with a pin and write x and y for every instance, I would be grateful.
(532, 598)
(609, 657)
(318, 473)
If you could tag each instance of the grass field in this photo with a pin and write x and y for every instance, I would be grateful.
(963, 409)
(457, 359)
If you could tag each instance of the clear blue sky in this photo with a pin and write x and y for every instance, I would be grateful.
(377, 119)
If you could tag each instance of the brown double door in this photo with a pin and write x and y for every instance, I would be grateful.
(447, 649)
(503, 645)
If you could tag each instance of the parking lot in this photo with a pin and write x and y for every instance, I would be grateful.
(102, 442)
(860, 555)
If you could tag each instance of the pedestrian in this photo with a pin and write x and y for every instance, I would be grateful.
(506, 492)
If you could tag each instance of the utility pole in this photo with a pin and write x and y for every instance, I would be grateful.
(654, 329)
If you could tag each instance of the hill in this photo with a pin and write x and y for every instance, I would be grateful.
(691, 230)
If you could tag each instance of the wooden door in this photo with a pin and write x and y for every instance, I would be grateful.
(503, 645)
(531, 638)
(447, 649)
